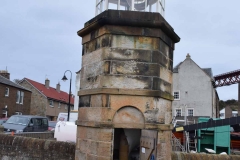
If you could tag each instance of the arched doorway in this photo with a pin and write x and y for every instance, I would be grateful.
(128, 122)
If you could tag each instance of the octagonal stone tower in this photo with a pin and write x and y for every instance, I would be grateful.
(125, 94)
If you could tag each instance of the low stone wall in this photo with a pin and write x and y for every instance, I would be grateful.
(39, 135)
(24, 148)
(202, 156)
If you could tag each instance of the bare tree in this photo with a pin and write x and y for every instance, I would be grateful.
(16, 81)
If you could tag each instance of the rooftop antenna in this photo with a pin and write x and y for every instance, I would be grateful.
(46, 76)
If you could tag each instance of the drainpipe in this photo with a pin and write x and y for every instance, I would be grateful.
(212, 101)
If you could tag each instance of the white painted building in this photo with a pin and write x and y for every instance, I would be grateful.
(77, 88)
(194, 94)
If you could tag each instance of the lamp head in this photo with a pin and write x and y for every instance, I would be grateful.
(64, 78)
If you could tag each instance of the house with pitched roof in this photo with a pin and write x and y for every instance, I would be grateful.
(45, 100)
(14, 99)
(193, 91)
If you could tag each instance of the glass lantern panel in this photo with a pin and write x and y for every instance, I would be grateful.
(131, 5)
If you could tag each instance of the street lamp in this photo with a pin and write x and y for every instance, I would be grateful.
(64, 79)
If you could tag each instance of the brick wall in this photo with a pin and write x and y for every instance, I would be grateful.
(10, 100)
(228, 112)
(14, 147)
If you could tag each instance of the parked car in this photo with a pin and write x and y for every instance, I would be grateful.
(26, 123)
(3, 120)
(51, 125)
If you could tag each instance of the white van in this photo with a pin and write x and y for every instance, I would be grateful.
(66, 131)
(73, 115)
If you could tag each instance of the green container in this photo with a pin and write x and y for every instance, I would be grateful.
(216, 138)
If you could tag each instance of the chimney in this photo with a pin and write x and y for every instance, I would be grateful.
(58, 87)
(5, 74)
(47, 82)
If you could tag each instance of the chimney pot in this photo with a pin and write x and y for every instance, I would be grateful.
(47, 83)
(58, 87)
(5, 74)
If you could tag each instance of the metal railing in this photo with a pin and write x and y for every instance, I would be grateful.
(176, 144)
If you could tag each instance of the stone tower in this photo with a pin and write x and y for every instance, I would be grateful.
(125, 92)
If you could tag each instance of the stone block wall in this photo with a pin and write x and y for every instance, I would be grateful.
(38, 101)
(94, 143)
(126, 83)
(15, 148)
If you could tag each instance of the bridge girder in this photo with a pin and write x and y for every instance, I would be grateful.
(227, 79)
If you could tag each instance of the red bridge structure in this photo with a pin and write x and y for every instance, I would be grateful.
(227, 79)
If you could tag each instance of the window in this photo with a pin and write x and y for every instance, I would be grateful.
(234, 114)
(66, 107)
(178, 112)
(190, 112)
(20, 96)
(72, 107)
(6, 92)
(176, 95)
(59, 105)
(37, 122)
(51, 103)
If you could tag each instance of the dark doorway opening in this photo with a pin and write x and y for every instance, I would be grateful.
(126, 144)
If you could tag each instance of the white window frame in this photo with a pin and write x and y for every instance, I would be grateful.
(59, 105)
(51, 104)
(20, 97)
(178, 95)
(176, 112)
(234, 114)
(188, 112)
(7, 92)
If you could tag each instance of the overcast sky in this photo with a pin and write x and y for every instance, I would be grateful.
(38, 39)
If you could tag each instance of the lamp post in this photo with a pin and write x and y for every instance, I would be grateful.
(64, 79)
